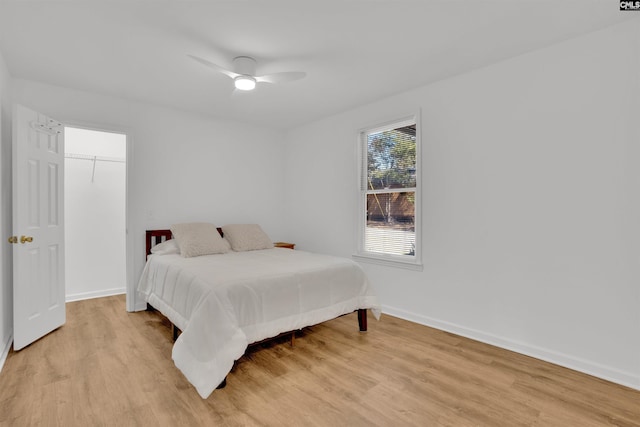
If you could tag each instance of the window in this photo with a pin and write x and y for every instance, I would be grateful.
(389, 196)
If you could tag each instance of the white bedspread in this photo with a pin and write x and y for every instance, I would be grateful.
(224, 302)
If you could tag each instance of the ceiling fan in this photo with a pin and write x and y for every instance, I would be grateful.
(244, 74)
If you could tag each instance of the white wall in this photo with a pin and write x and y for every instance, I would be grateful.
(6, 254)
(94, 211)
(181, 167)
(530, 203)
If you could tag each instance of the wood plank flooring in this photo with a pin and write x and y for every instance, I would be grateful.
(107, 367)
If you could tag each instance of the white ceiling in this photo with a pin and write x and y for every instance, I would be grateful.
(354, 51)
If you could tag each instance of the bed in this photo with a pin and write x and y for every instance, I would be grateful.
(224, 302)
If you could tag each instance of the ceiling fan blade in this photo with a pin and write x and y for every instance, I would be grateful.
(214, 66)
(288, 76)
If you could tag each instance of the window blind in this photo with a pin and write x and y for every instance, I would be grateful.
(388, 186)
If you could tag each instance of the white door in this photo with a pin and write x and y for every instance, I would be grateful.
(38, 225)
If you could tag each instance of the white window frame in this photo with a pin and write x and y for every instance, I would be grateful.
(403, 261)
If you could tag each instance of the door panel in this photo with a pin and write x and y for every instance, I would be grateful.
(38, 221)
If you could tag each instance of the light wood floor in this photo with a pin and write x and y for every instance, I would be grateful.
(112, 368)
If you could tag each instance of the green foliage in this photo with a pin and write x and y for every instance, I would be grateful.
(391, 159)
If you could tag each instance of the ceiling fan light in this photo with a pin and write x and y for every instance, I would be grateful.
(245, 83)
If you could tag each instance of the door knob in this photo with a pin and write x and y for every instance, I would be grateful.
(13, 239)
(24, 239)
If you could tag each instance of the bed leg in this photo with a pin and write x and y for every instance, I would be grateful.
(174, 332)
(362, 319)
(223, 384)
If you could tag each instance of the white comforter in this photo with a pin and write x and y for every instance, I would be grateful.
(222, 303)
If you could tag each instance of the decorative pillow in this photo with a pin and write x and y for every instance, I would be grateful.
(198, 238)
(165, 248)
(246, 237)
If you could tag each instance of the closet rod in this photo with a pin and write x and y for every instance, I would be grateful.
(94, 158)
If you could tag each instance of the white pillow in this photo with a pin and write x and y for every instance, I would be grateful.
(199, 238)
(246, 237)
(165, 248)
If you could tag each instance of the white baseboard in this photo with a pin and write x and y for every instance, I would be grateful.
(5, 350)
(595, 369)
(95, 294)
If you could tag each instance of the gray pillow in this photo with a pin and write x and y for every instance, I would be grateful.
(246, 237)
(199, 238)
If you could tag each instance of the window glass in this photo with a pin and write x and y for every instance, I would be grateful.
(389, 191)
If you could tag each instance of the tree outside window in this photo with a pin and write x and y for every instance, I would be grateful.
(390, 191)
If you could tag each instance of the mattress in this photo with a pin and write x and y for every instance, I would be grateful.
(224, 302)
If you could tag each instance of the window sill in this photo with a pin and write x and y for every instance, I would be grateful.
(388, 262)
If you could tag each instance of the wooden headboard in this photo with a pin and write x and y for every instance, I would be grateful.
(153, 237)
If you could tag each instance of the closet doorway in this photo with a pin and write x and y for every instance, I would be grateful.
(95, 172)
